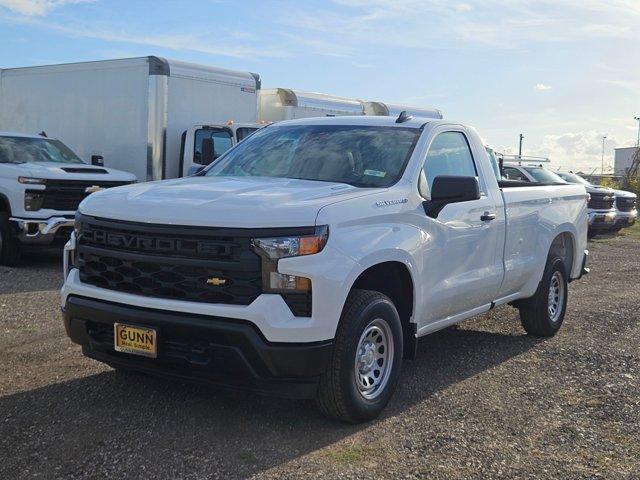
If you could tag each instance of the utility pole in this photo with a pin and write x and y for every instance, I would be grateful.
(520, 148)
(637, 119)
(604, 137)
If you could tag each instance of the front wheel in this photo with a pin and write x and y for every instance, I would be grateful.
(367, 356)
(542, 314)
(9, 246)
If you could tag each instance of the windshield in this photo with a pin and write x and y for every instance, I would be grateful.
(25, 149)
(573, 178)
(543, 175)
(363, 156)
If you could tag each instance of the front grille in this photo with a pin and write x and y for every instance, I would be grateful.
(625, 204)
(601, 201)
(162, 279)
(182, 263)
(66, 195)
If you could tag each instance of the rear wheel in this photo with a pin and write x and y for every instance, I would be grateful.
(9, 245)
(367, 356)
(542, 314)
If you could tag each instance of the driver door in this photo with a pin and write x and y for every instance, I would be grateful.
(203, 145)
(462, 264)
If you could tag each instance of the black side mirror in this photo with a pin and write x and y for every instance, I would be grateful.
(97, 160)
(207, 151)
(194, 170)
(448, 189)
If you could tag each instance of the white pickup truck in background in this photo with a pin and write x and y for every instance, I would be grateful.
(310, 258)
(42, 182)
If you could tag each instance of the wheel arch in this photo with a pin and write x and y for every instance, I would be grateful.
(393, 277)
(564, 244)
(5, 206)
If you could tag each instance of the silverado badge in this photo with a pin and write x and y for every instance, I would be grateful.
(93, 189)
(216, 281)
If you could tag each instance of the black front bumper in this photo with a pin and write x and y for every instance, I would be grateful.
(215, 350)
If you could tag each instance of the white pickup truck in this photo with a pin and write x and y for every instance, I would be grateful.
(310, 258)
(42, 182)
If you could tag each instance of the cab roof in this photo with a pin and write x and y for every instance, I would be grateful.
(368, 120)
(23, 135)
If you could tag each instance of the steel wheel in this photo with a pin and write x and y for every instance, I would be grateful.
(374, 359)
(556, 296)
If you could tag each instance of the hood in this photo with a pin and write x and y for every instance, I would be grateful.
(597, 189)
(243, 202)
(625, 194)
(69, 171)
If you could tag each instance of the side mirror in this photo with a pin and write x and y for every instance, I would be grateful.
(448, 189)
(194, 170)
(207, 151)
(97, 160)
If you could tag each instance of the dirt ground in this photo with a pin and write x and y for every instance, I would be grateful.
(482, 400)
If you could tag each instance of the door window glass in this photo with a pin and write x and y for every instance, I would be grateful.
(244, 132)
(221, 143)
(449, 154)
(514, 174)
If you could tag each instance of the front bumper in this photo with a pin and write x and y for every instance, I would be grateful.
(625, 219)
(216, 350)
(43, 231)
(602, 220)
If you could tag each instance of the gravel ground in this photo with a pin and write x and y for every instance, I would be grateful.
(482, 400)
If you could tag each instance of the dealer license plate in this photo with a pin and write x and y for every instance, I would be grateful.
(135, 340)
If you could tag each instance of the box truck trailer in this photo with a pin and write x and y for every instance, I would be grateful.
(150, 116)
(393, 110)
(278, 104)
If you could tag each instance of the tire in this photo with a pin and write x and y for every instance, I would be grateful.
(9, 245)
(537, 313)
(353, 394)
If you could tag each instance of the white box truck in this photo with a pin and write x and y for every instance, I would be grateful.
(135, 112)
(278, 104)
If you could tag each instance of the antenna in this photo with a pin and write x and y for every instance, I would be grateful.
(43, 133)
(403, 117)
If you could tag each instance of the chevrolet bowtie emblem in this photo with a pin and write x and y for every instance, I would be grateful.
(93, 189)
(216, 281)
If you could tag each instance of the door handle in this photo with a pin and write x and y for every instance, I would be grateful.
(486, 217)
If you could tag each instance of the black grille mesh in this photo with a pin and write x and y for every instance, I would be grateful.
(164, 280)
(66, 195)
(600, 201)
(625, 204)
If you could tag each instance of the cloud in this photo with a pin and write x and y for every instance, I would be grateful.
(37, 7)
(443, 24)
(192, 42)
(541, 87)
(576, 150)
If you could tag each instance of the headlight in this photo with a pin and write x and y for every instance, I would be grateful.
(32, 181)
(33, 201)
(77, 224)
(282, 247)
(275, 248)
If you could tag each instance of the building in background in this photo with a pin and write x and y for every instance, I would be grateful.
(623, 159)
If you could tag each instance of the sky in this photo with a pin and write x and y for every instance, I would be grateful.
(562, 72)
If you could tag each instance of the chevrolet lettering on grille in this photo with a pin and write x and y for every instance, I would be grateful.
(155, 244)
